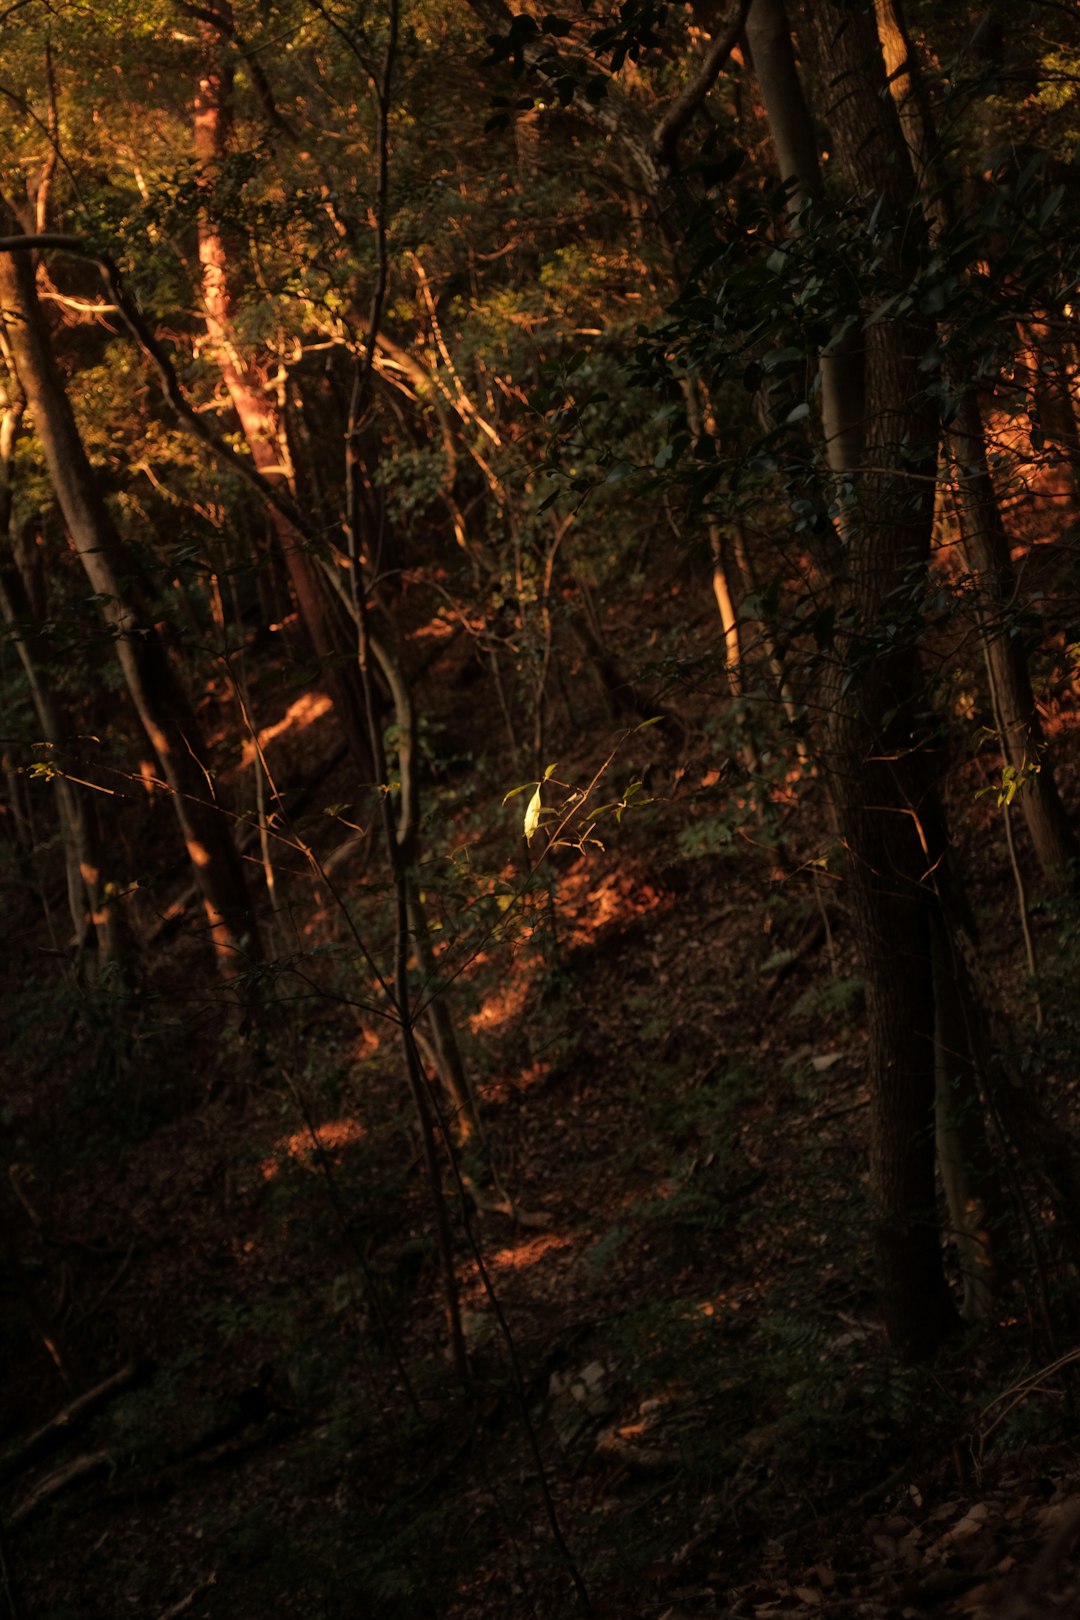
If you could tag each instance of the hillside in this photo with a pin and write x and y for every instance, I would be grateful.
(538, 837)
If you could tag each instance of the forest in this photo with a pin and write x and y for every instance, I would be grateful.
(540, 680)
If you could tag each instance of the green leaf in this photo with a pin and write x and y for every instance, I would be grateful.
(781, 357)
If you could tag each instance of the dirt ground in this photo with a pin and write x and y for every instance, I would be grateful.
(680, 1402)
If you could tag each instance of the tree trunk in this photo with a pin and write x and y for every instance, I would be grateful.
(982, 530)
(159, 700)
(875, 753)
(261, 415)
(89, 894)
(725, 601)
(768, 35)
(962, 1148)
(1022, 742)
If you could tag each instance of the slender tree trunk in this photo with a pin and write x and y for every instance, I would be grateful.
(981, 526)
(1022, 740)
(89, 894)
(260, 411)
(722, 591)
(768, 35)
(90, 900)
(159, 700)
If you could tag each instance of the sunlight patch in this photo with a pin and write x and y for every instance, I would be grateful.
(333, 1135)
(529, 1252)
(502, 1005)
(303, 713)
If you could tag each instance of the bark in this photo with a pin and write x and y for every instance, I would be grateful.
(406, 853)
(15, 813)
(774, 661)
(28, 1450)
(680, 111)
(261, 415)
(768, 35)
(159, 700)
(962, 1148)
(875, 753)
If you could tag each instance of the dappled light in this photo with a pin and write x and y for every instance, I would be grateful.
(308, 708)
(501, 1006)
(308, 1148)
(617, 901)
(539, 791)
(529, 1252)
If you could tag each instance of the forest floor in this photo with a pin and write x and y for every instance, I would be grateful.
(680, 1398)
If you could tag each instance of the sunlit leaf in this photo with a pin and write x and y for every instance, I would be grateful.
(532, 815)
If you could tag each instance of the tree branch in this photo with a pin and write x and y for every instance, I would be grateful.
(223, 22)
(133, 319)
(680, 111)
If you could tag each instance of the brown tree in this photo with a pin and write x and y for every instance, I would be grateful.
(886, 447)
(256, 401)
(156, 693)
(982, 530)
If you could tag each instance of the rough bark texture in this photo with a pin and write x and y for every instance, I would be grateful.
(159, 700)
(876, 767)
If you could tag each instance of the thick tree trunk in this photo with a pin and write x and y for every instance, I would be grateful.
(159, 700)
(261, 416)
(874, 746)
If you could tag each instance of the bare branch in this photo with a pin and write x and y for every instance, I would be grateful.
(686, 103)
(136, 324)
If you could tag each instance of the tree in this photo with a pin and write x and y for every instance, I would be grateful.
(159, 700)
(876, 741)
(253, 394)
(982, 530)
